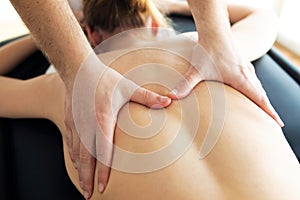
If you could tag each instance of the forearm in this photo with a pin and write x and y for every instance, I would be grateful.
(255, 34)
(41, 97)
(14, 102)
(58, 34)
(211, 19)
(173, 7)
(15, 52)
(180, 7)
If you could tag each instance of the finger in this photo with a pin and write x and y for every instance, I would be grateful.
(268, 106)
(250, 86)
(103, 176)
(75, 147)
(86, 171)
(185, 86)
(74, 138)
(70, 127)
(69, 141)
(149, 98)
(68, 133)
(104, 148)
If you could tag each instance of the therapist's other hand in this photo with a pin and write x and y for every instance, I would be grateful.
(112, 92)
(220, 62)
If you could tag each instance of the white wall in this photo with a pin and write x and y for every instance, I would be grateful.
(10, 23)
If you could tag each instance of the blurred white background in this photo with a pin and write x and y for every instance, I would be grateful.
(288, 13)
(10, 23)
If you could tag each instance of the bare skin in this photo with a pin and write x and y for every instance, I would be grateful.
(215, 35)
(15, 52)
(58, 34)
(48, 30)
(254, 30)
(173, 7)
(251, 159)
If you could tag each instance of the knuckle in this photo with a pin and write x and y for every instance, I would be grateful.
(72, 158)
(85, 157)
(71, 155)
(188, 79)
(238, 83)
(192, 75)
(244, 73)
(146, 94)
(148, 97)
(68, 122)
(75, 152)
(68, 133)
(87, 160)
(75, 156)
(102, 116)
(263, 99)
(69, 141)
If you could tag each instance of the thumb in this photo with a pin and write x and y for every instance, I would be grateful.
(185, 86)
(149, 98)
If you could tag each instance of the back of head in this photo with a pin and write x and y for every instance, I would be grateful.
(111, 14)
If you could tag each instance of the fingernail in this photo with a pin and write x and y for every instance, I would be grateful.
(163, 99)
(86, 195)
(278, 119)
(280, 122)
(101, 187)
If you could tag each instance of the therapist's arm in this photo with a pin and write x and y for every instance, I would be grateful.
(57, 33)
(253, 28)
(59, 36)
(217, 57)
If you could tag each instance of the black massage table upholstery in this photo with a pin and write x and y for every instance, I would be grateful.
(31, 154)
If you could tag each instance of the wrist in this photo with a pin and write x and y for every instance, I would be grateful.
(68, 73)
(214, 40)
(211, 19)
(91, 68)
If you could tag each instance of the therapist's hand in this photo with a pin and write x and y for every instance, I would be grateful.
(219, 60)
(111, 93)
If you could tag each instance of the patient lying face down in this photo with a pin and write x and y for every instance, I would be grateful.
(214, 144)
(158, 152)
(250, 160)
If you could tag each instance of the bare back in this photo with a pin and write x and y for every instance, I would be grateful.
(251, 159)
